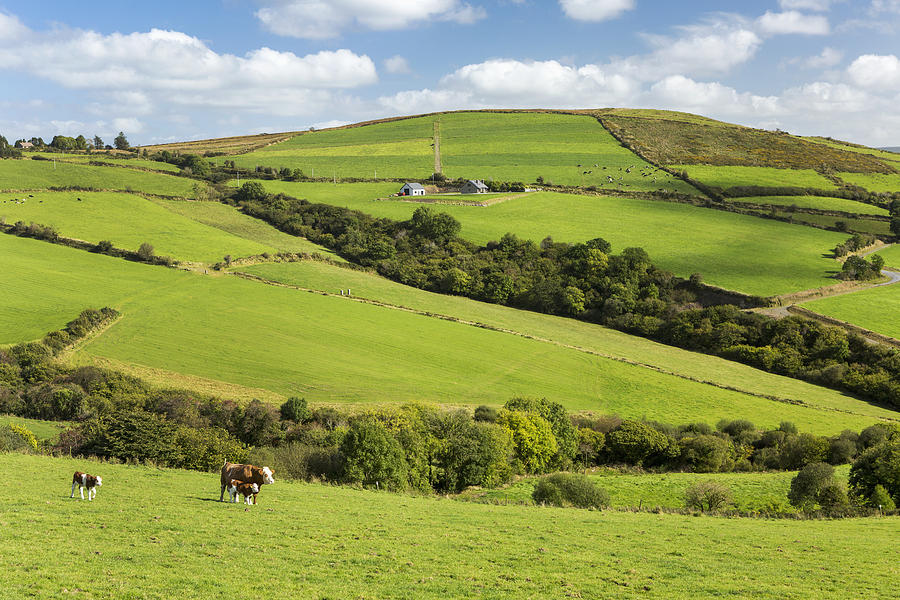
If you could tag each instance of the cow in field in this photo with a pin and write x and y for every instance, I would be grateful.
(247, 490)
(83, 480)
(244, 473)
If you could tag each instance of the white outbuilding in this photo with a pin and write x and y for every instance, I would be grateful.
(412, 189)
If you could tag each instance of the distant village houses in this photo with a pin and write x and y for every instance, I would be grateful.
(24, 145)
(412, 189)
(473, 186)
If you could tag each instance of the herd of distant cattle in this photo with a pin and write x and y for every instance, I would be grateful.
(239, 480)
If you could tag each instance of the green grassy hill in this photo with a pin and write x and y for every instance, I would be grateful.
(18, 175)
(334, 350)
(733, 251)
(306, 540)
(192, 231)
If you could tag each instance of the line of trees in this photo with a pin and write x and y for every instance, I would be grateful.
(587, 281)
(65, 143)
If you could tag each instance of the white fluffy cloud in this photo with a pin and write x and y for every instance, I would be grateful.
(792, 21)
(169, 67)
(321, 19)
(876, 71)
(702, 49)
(396, 65)
(595, 10)
(829, 57)
(678, 92)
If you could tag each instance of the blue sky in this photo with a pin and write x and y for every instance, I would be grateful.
(166, 70)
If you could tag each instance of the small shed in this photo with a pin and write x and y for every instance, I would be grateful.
(474, 186)
(412, 189)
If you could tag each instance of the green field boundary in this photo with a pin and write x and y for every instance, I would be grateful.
(576, 348)
(438, 168)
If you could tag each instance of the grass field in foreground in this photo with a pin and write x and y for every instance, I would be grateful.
(726, 177)
(158, 534)
(873, 182)
(738, 252)
(128, 221)
(818, 202)
(876, 309)
(40, 174)
(335, 350)
(750, 491)
(608, 342)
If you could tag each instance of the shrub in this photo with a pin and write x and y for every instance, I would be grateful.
(707, 496)
(104, 247)
(295, 409)
(635, 442)
(533, 439)
(808, 486)
(707, 453)
(879, 465)
(146, 252)
(373, 457)
(486, 413)
(882, 500)
(17, 437)
(570, 489)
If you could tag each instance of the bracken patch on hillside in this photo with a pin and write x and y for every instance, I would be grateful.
(671, 142)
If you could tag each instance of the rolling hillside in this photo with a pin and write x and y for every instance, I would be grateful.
(246, 338)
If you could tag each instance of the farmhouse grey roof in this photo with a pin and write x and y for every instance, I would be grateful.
(414, 186)
(479, 184)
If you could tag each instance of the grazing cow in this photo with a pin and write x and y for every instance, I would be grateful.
(245, 473)
(247, 490)
(83, 480)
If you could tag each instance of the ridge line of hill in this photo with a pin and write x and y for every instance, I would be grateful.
(391, 306)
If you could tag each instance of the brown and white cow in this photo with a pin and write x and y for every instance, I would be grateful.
(83, 480)
(247, 490)
(245, 473)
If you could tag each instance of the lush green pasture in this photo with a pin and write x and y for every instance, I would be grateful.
(854, 224)
(232, 221)
(750, 491)
(393, 149)
(154, 533)
(733, 251)
(876, 309)
(43, 430)
(39, 174)
(891, 256)
(569, 332)
(726, 177)
(817, 202)
(560, 148)
(110, 159)
(128, 221)
(873, 182)
(333, 349)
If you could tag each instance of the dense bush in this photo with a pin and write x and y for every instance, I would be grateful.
(707, 496)
(569, 489)
(814, 485)
(878, 465)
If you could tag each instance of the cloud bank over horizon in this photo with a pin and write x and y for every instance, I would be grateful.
(164, 84)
